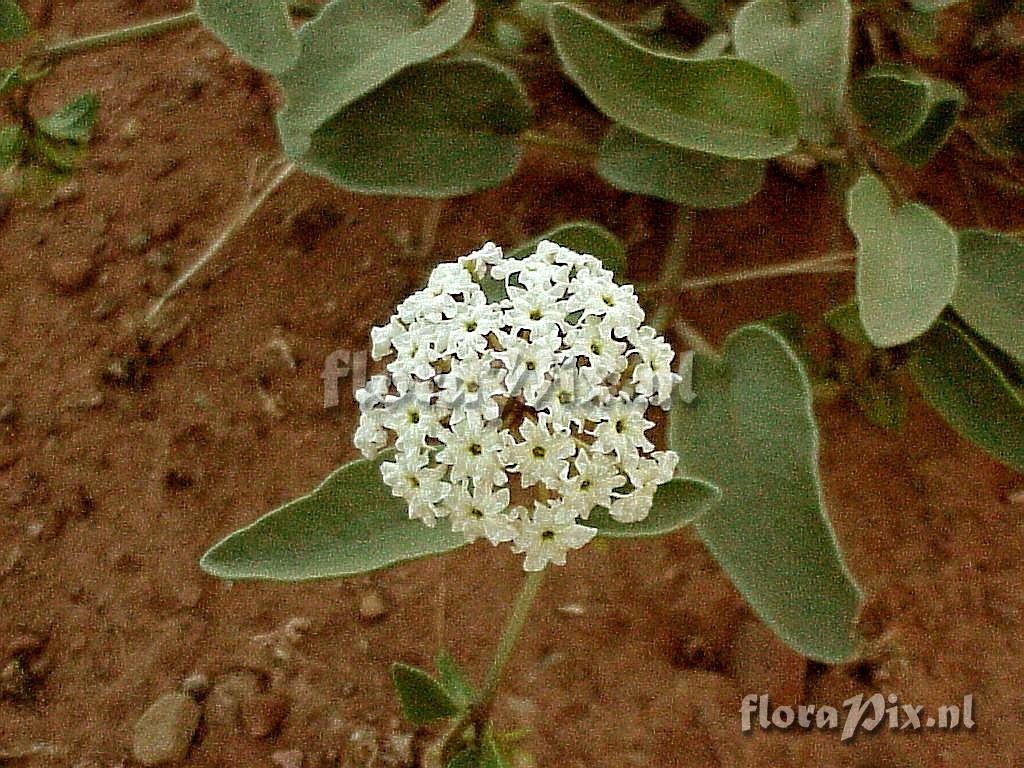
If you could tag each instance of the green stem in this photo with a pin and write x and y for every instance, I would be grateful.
(125, 35)
(835, 262)
(478, 713)
(173, 23)
(673, 267)
(236, 223)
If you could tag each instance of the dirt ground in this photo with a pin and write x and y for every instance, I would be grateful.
(121, 463)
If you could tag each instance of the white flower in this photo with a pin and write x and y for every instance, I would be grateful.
(548, 533)
(482, 513)
(540, 457)
(512, 420)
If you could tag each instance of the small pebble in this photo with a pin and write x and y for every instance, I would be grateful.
(164, 732)
(372, 606)
(263, 714)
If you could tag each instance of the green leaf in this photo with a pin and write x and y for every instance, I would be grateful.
(582, 237)
(12, 142)
(454, 681)
(14, 24)
(438, 129)
(990, 292)
(351, 49)
(9, 79)
(74, 121)
(490, 754)
(963, 383)
(677, 503)
(906, 263)
(722, 106)
(422, 697)
(637, 164)
(806, 43)
(845, 320)
(751, 431)
(349, 525)
(260, 31)
(910, 113)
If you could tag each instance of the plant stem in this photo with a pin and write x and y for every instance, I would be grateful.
(239, 220)
(125, 35)
(478, 713)
(833, 262)
(673, 267)
(159, 26)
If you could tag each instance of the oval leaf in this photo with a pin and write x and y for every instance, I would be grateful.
(582, 237)
(990, 291)
(352, 48)
(259, 31)
(908, 112)
(454, 681)
(806, 43)
(969, 389)
(438, 129)
(14, 24)
(677, 503)
(722, 106)
(751, 431)
(906, 263)
(351, 524)
(637, 164)
(422, 697)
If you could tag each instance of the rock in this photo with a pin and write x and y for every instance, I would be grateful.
(761, 663)
(287, 758)
(222, 707)
(372, 606)
(164, 732)
(263, 714)
(70, 273)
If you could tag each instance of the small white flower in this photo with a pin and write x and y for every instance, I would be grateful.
(596, 476)
(540, 456)
(473, 450)
(623, 430)
(548, 533)
(633, 507)
(482, 513)
(421, 486)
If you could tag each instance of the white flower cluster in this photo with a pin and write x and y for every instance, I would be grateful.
(515, 418)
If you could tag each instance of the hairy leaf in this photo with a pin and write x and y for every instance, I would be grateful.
(722, 106)
(990, 292)
(906, 263)
(910, 113)
(972, 392)
(438, 129)
(259, 31)
(751, 431)
(349, 525)
(352, 48)
(644, 166)
(806, 43)
(422, 697)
